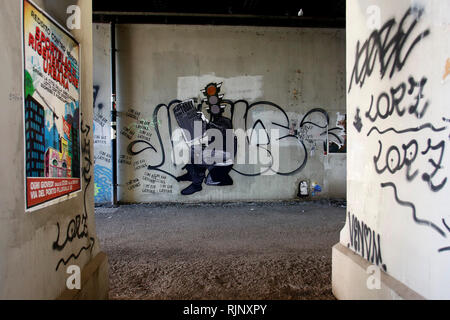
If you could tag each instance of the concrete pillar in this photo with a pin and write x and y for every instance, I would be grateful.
(396, 241)
(37, 247)
(102, 113)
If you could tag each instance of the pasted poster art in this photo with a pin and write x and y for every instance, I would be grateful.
(51, 109)
(339, 143)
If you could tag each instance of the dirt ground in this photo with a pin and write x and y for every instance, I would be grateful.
(227, 251)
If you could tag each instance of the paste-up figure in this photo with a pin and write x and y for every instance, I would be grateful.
(218, 161)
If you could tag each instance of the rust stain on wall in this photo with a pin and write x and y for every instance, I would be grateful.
(447, 69)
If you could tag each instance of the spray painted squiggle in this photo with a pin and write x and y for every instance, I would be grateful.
(422, 127)
(75, 256)
(413, 208)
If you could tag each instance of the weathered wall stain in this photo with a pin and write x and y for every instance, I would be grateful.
(447, 69)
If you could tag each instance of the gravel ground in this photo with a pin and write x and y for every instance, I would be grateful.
(222, 251)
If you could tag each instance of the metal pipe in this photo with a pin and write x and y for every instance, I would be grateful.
(113, 113)
(210, 18)
(211, 15)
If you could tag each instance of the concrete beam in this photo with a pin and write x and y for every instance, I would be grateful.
(349, 279)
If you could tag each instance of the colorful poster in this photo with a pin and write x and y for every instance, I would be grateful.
(51, 109)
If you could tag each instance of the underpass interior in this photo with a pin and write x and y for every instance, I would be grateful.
(169, 149)
(246, 231)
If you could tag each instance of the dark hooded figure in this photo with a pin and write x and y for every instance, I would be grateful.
(220, 162)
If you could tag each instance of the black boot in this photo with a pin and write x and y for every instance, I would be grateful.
(219, 176)
(184, 177)
(193, 188)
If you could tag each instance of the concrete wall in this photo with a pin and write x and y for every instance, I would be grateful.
(398, 104)
(102, 113)
(296, 69)
(29, 266)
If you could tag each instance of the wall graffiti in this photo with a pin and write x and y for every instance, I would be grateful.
(388, 103)
(77, 228)
(133, 184)
(339, 144)
(394, 162)
(102, 151)
(402, 123)
(365, 241)
(308, 133)
(96, 91)
(388, 46)
(156, 183)
(103, 187)
(418, 220)
(358, 121)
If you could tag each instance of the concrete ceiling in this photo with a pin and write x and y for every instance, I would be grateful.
(316, 13)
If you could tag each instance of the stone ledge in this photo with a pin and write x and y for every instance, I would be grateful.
(349, 279)
(94, 281)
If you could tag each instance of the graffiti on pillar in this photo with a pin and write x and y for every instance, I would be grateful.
(76, 230)
(103, 184)
(99, 118)
(401, 122)
(102, 153)
(339, 144)
(365, 241)
(96, 91)
(389, 47)
(358, 121)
